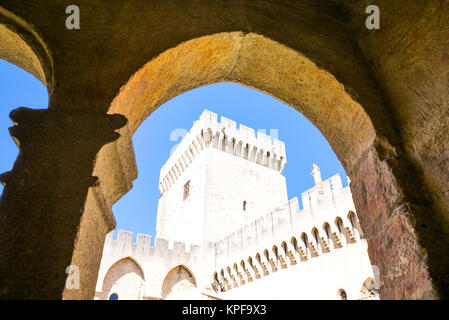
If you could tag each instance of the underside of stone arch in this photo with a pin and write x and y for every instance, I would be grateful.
(258, 62)
(261, 63)
(22, 46)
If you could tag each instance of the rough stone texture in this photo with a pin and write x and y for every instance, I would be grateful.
(14, 49)
(252, 60)
(385, 88)
(124, 278)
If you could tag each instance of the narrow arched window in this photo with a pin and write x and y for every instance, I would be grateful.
(339, 224)
(246, 154)
(244, 205)
(275, 251)
(305, 240)
(284, 247)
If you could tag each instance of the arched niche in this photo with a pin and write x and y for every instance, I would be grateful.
(126, 279)
(179, 284)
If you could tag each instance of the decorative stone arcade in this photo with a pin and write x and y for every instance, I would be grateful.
(378, 96)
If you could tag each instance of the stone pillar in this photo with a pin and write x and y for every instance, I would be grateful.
(43, 223)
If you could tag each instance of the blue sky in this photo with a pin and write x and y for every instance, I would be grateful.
(155, 138)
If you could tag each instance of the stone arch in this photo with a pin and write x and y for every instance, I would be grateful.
(301, 83)
(342, 294)
(329, 39)
(355, 224)
(275, 251)
(304, 239)
(345, 238)
(179, 284)
(296, 80)
(125, 278)
(266, 254)
(327, 230)
(234, 146)
(284, 247)
(320, 247)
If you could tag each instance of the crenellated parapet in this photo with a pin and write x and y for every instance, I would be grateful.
(287, 235)
(242, 142)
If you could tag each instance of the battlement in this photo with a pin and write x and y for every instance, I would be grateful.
(317, 237)
(142, 249)
(207, 132)
(319, 207)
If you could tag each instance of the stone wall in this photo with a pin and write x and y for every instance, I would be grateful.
(125, 279)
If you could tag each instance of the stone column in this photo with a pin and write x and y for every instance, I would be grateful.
(42, 219)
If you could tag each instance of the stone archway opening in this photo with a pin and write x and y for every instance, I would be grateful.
(253, 60)
(125, 279)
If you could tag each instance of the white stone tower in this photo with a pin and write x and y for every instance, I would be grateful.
(218, 179)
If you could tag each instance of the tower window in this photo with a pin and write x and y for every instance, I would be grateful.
(244, 205)
(186, 190)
